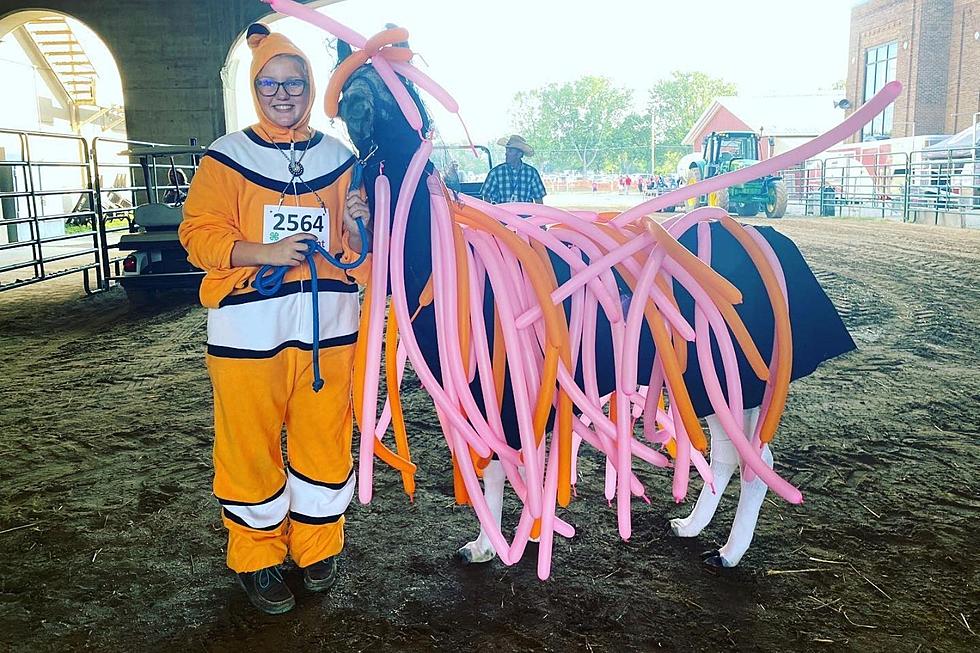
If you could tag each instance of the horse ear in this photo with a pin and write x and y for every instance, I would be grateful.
(402, 44)
(343, 50)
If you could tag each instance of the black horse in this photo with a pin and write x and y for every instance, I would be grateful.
(381, 134)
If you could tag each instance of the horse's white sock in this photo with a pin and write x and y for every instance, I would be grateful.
(480, 549)
(724, 461)
(749, 503)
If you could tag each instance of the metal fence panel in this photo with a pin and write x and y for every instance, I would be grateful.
(47, 214)
(944, 189)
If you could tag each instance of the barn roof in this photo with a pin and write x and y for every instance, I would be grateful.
(775, 115)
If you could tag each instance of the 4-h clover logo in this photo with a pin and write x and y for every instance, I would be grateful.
(274, 236)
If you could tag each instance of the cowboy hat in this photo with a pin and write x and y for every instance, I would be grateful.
(517, 142)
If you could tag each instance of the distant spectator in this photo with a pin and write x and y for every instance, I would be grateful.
(513, 180)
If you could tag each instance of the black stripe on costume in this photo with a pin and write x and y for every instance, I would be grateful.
(329, 486)
(241, 522)
(232, 352)
(314, 521)
(287, 188)
(291, 288)
(229, 502)
(301, 145)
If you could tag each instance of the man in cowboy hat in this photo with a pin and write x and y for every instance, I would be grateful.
(514, 180)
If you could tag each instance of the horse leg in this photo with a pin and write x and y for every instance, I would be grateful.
(746, 515)
(480, 549)
(724, 461)
(750, 499)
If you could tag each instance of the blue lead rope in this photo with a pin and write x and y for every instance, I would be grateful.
(269, 279)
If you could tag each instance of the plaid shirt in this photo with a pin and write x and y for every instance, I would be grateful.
(507, 183)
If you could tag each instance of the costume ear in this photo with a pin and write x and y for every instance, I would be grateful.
(343, 50)
(256, 34)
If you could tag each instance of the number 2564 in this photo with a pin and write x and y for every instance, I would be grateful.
(294, 221)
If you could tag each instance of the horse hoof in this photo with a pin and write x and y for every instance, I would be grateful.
(472, 553)
(680, 529)
(714, 561)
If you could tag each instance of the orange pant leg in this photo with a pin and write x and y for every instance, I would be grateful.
(318, 440)
(250, 397)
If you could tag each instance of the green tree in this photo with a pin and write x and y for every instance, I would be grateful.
(629, 146)
(677, 102)
(668, 158)
(573, 125)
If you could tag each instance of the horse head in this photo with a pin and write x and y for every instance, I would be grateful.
(382, 136)
(373, 118)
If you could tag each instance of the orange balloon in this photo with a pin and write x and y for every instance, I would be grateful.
(556, 333)
(784, 334)
(385, 37)
(394, 399)
(462, 295)
(331, 98)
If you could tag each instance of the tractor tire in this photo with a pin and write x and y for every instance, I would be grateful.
(693, 177)
(748, 210)
(721, 199)
(778, 199)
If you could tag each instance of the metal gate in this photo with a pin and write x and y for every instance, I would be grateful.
(49, 220)
(64, 203)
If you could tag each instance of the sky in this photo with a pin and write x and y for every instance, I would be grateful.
(485, 52)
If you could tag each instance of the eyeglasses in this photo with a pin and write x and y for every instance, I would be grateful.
(269, 87)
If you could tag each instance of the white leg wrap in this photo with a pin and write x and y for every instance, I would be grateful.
(707, 502)
(749, 503)
(724, 461)
(480, 549)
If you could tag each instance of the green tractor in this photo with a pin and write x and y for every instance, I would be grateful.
(728, 151)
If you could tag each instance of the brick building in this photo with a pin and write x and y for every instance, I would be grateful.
(933, 48)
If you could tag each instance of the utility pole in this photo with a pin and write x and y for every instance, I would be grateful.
(653, 144)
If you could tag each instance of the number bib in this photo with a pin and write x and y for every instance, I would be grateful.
(283, 221)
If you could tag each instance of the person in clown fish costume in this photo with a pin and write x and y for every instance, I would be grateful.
(258, 196)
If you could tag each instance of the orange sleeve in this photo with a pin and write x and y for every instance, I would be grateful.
(210, 227)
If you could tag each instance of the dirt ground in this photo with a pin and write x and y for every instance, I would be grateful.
(110, 539)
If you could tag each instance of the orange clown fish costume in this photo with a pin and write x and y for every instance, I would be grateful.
(259, 348)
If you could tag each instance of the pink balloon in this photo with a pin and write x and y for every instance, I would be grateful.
(747, 473)
(427, 84)
(404, 100)
(306, 14)
(379, 281)
(862, 116)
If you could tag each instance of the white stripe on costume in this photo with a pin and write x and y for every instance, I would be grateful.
(321, 159)
(319, 501)
(264, 515)
(269, 323)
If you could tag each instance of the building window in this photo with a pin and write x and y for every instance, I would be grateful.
(880, 64)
